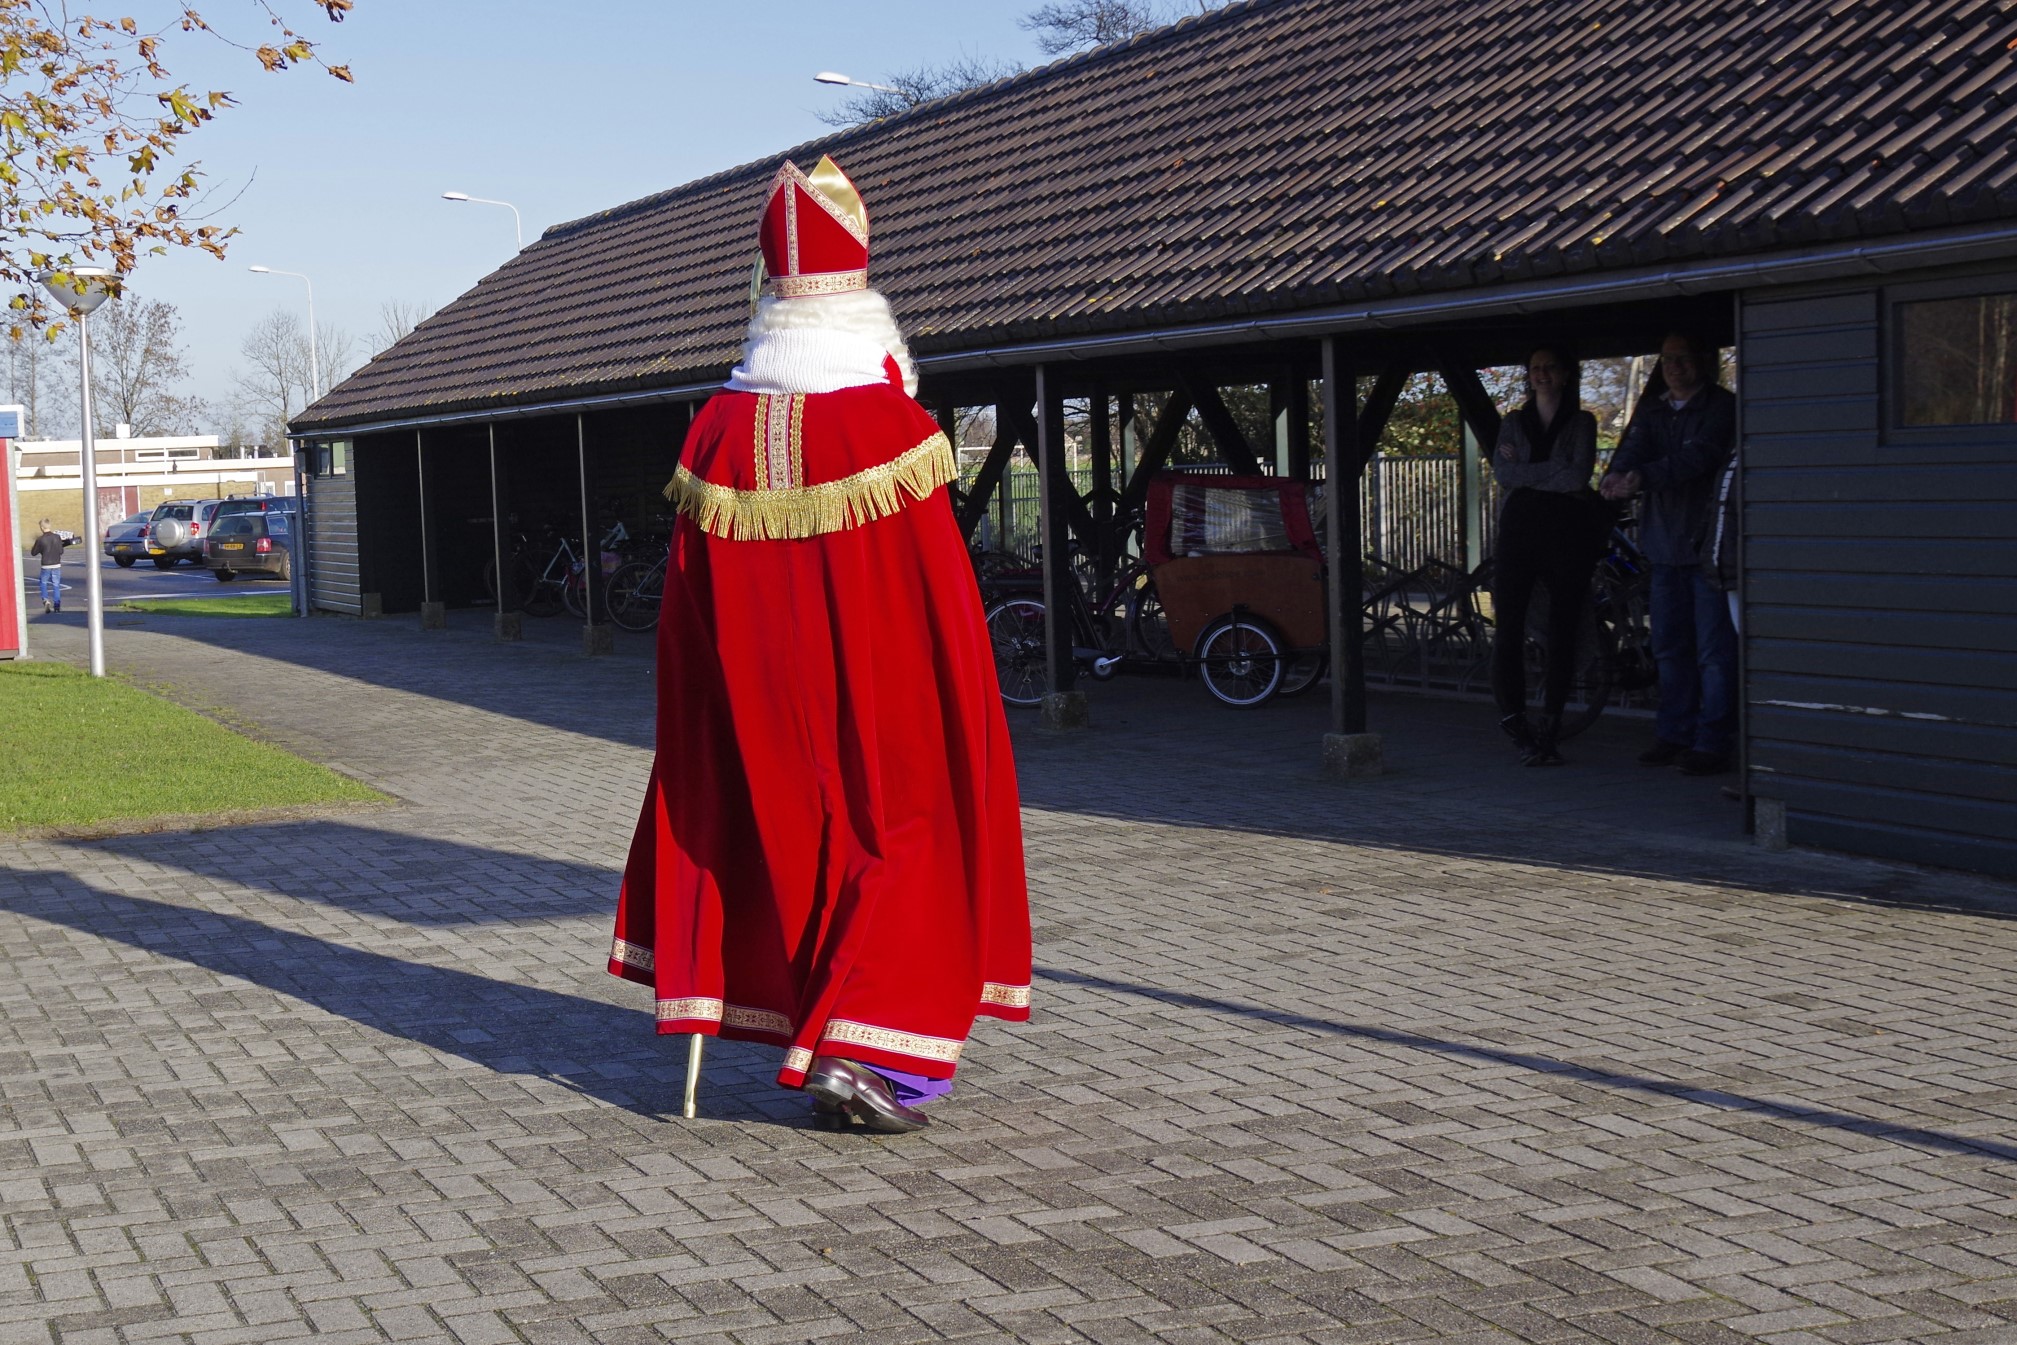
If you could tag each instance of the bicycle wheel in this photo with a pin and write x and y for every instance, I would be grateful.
(1240, 660)
(1015, 628)
(574, 592)
(542, 596)
(635, 594)
(1301, 672)
(1148, 626)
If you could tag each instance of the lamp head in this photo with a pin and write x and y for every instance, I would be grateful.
(262, 270)
(81, 288)
(830, 77)
(455, 196)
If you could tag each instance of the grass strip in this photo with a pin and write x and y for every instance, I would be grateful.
(81, 750)
(263, 604)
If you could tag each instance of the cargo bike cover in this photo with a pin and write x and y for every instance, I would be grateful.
(1220, 543)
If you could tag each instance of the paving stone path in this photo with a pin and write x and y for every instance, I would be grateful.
(1467, 1053)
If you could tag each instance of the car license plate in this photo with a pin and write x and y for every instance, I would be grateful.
(231, 546)
(157, 550)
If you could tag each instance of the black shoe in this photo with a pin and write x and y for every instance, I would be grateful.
(1544, 753)
(1662, 753)
(1703, 763)
(1514, 726)
(863, 1093)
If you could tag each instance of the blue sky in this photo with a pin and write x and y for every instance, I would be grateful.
(562, 110)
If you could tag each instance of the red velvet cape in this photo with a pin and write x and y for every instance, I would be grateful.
(830, 851)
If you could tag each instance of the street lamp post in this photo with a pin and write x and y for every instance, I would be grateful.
(314, 358)
(517, 225)
(80, 290)
(833, 77)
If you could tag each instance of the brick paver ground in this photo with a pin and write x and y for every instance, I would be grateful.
(1467, 1053)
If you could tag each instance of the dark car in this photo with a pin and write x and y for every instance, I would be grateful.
(250, 544)
(176, 530)
(126, 540)
(255, 504)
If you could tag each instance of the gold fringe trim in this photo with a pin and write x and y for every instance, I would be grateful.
(812, 511)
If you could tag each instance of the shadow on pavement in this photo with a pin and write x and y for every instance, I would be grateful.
(506, 1028)
(1714, 1098)
(388, 875)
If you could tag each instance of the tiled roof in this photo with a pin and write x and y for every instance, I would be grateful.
(1279, 155)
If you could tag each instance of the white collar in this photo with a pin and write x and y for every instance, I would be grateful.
(808, 359)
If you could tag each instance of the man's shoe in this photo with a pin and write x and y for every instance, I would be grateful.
(863, 1093)
(1515, 726)
(1703, 763)
(1662, 753)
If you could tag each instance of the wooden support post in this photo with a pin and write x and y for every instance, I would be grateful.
(1289, 397)
(1349, 750)
(1063, 707)
(509, 622)
(433, 611)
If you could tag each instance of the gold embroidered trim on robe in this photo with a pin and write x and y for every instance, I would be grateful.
(1009, 996)
(631, 955)
(811, 511)
(889, 1039)
(706, 1009)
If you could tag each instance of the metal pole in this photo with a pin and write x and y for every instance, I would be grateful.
(591, 545)
(689, 1106)
(497, 526)
(314, 357)
(426, 550)
(94, 615)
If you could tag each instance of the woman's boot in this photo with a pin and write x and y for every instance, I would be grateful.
(1515, 727)
(1544, 753)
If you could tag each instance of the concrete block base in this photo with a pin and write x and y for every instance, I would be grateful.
(1353, 756)
(1768, 823)
(1064, 712)
(434, 616)
(598, 640)
(509, 626)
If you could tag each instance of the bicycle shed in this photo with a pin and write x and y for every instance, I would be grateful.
(1794, 180)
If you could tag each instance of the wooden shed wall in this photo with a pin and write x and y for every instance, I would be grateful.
(1880, 597)
(332, 541)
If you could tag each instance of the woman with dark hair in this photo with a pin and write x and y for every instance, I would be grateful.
(1550, 532)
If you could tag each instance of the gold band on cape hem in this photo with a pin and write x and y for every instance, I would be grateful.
(812, 511)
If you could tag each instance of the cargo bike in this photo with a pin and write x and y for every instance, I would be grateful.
(1230, 582)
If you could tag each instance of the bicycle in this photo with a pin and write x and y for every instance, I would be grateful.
(1126, 622)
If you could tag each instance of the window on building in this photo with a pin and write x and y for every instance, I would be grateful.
(333, 459)
(1956, 361)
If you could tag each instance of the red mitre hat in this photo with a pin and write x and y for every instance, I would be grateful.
(814, 232)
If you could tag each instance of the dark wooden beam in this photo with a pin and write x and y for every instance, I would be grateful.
(1156, 450)
(1379, 407)
(1219, 423)
(1474, 404)
(1012, 424)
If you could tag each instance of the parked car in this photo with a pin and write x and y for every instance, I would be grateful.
(176, 528)
(255, 504)
(126, 540)
(250, 544)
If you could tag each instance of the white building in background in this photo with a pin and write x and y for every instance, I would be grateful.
(135, 473)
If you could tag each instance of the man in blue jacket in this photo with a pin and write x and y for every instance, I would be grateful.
(1672, 454)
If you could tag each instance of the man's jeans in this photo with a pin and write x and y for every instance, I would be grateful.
(52, 584)
(1696, 648)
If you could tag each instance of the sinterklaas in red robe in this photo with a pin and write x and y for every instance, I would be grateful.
(830, 852)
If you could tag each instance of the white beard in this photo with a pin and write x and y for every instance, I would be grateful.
(822, 343)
